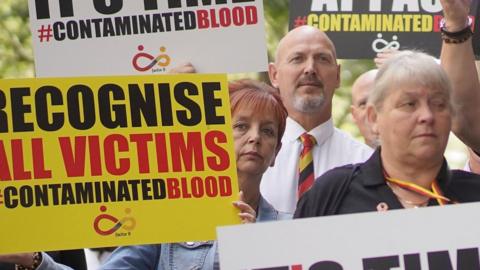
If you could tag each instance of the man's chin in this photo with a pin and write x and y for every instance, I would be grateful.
(308, 104)
(429, 153)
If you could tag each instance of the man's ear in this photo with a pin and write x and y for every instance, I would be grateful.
(372, 118)
(279, 146)
(273, 74)
(353, 112)
(339, 69)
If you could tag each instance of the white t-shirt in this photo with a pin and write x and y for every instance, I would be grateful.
(334, 148)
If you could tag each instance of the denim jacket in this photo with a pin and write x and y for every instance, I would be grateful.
(49, 264)
(178, 256)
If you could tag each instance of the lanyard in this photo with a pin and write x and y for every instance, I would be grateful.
(435, 193)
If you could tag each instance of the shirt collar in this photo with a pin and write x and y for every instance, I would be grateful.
(265, 210)
(374, 170)
(321, 132)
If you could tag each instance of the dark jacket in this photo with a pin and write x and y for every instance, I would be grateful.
(362, 187)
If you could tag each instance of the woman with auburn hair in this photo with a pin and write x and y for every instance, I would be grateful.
(258, 122)
(411, 112)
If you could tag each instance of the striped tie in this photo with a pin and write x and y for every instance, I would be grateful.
(305, 165)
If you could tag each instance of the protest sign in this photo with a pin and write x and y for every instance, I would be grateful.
(440, 238)
(362, 28)
(108, 161)
(116, 37)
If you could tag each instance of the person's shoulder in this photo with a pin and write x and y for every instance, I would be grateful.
(464, 177)
(336, 172)
(266, 212)
(328, 189)
(331, 179)
(347, 138)
(49, 263)
(347, 141)
(464, 186)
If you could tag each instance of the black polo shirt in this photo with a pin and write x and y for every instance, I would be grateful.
(362, 187)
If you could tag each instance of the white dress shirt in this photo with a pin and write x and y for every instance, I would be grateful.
(334, 148)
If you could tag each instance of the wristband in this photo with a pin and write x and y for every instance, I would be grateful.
(456, 37)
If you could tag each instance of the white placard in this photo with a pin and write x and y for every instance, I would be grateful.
(120, 37)
(424, 238)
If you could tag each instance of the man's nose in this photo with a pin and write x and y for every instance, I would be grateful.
(310, 67)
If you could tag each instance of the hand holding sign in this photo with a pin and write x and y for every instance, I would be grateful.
(247, 214)
(383, 56)
(183, 68)
(456, 13)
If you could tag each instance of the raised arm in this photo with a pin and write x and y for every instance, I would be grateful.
(458, 60)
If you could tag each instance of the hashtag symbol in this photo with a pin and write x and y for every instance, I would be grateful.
(300, 20)
(45, 33)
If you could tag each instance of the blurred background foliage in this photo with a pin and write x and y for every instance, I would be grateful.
(16, 61)
(16, 56)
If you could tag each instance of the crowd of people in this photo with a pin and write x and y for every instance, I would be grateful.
(292, 161)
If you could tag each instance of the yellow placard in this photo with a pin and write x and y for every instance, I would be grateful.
(108, 161)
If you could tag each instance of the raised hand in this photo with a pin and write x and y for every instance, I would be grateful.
(456, 13)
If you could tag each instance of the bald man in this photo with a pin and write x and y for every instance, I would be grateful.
(306, 73)
(360, 90)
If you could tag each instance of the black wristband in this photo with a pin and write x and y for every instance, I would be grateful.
(456, 37)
